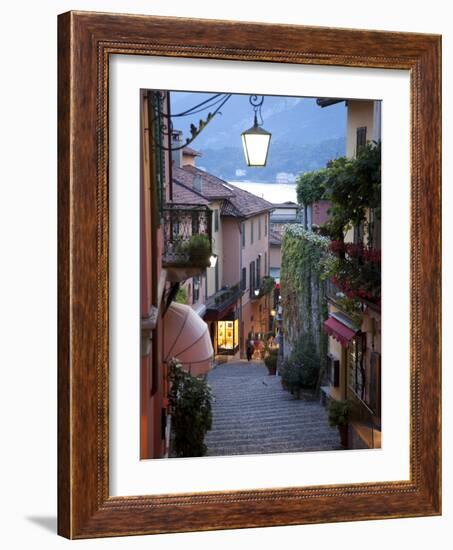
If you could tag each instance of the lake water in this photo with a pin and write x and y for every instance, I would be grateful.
(272, 192)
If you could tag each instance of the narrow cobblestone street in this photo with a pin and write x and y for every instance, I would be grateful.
(252, 414)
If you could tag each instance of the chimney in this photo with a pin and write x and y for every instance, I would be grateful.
(176, 141)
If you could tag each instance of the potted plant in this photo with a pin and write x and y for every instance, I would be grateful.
(291, 379)
(190, 401)
(198, 250)
(339, 416)
(270, 360)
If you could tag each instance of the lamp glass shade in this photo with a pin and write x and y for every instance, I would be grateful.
(255, 142)
(213, 260)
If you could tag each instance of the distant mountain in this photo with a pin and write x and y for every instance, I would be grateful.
(304, 135)
(284, 163)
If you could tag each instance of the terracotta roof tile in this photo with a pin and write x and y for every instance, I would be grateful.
(236, 202)
(184, 195)
(212, 187)
(247, 204)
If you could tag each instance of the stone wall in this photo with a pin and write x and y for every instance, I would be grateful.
(303, 289)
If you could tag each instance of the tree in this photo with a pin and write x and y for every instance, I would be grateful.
(311, 186)
(351, 185)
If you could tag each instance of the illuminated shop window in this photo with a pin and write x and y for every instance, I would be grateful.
(227, 337)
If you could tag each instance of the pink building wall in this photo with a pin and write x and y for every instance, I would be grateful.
(153, 382)
(260, 245)
(188, 286)
(255, 313)
(231, 251)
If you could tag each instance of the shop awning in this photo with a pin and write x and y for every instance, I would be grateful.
(186, 338)
(340, 332)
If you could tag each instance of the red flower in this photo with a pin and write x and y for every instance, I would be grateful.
(337, 247)
(372, 255)
(354, 250)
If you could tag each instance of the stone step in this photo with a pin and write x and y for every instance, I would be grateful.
(253, 450)
(252, 414)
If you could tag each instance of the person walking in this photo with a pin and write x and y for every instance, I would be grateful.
(249, 350)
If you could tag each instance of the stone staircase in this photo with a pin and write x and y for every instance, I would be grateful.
(252, 414)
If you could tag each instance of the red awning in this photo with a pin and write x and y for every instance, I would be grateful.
(340, 332)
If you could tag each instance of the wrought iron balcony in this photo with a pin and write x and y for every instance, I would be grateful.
(350, 309)
(219, 303)
(333, 293)
(266, 285)
(187, 236)
(344, 301)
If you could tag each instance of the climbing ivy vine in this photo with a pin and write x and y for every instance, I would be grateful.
(303, 289)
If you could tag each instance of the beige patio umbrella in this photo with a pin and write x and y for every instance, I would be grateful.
(186, 338)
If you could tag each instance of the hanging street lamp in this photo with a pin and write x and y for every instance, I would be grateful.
(256, 139)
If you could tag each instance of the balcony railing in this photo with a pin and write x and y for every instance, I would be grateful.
(187, 236)
(352, 308)
(358, 272)
(223, 299)
(365, 422)
(332, 291)
(267, 285)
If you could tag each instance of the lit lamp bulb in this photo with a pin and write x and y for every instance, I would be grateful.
(255, 142)
(213, 260)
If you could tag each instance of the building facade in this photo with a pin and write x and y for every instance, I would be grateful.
(354, 347)
(235, 295)
(153, 380)
(172, 234)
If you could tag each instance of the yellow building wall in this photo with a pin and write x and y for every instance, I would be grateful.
(334, 348)
(360, 113)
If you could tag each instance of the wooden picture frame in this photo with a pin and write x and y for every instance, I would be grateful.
(86, 40)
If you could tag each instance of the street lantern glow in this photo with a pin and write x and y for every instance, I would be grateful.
(213, 260)
(255, 142)
(256, 139)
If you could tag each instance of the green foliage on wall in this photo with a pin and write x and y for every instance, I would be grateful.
(303, 290)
